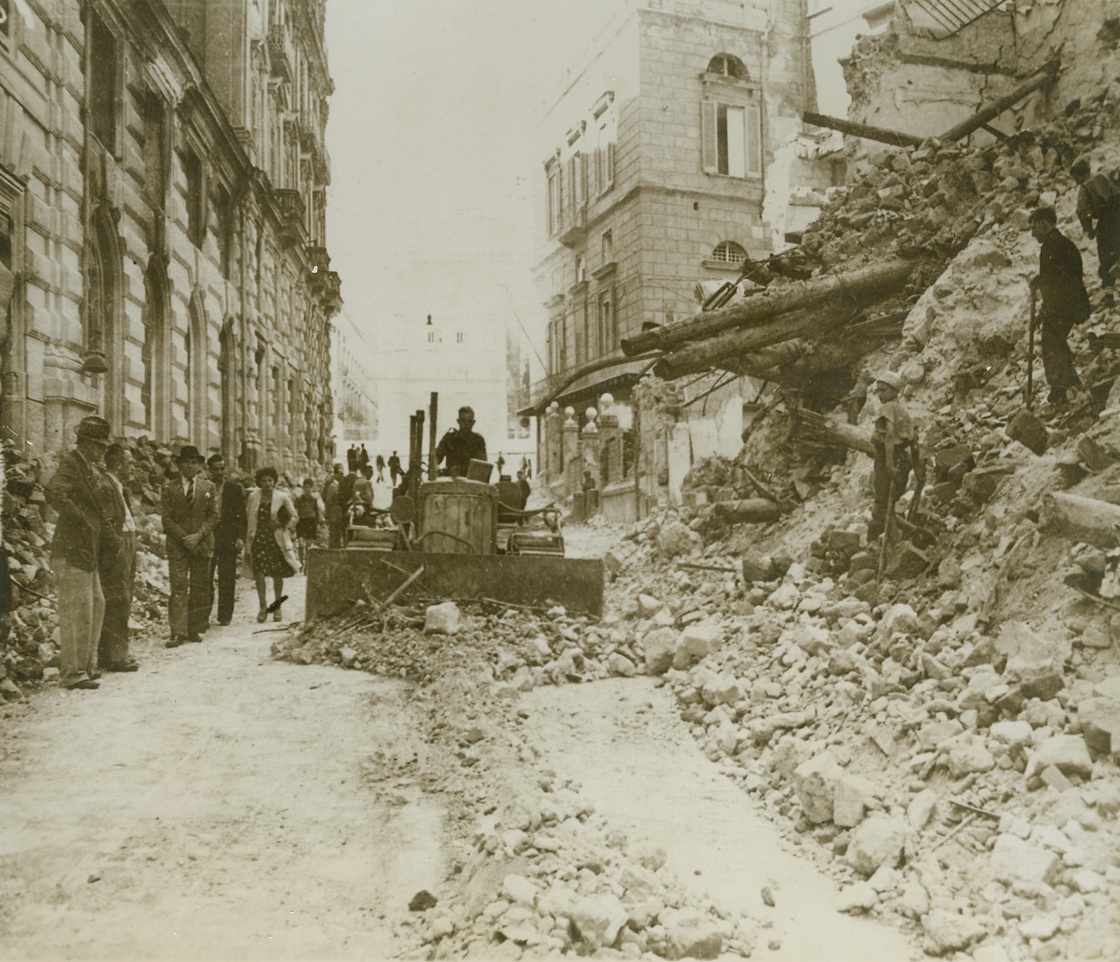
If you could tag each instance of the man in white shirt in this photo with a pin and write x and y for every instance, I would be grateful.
(117, 561)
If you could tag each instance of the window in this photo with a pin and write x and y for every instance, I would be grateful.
(581, 270)
(728, 252)
(727, 65)
(557, 345)
(607, 328)
(732, 139)
(458, 337)
(607, 247)
(223, 214)
(553, 172)
(196, 208)
(577, 187)
(155, 160)
(104, 71)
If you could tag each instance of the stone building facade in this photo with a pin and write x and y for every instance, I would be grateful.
(163, 193)
(658, 159)
(353, 386)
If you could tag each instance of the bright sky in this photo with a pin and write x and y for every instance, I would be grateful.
(433, 144)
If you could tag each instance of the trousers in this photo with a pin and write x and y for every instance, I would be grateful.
(883, 494)
(117, 575)
(223, 566)
(1057, 358)
(189, 605)
(1108, 243)
(81, 609)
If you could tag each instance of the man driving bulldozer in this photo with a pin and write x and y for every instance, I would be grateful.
(462, 444)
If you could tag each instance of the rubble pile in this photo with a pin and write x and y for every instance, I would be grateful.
(555, 879)
(29, 634)
(964, 781)
(520, 649)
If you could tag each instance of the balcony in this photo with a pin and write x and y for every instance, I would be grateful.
(332, 293)
(319, 265)
(281, 56)
(293, 214)
(573, 227)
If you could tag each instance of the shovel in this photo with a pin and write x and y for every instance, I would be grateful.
(1025, 427)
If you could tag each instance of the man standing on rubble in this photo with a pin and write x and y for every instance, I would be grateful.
(461, 445)
(1065, 301)
(895, 442)
(117, 561)
(1098, 209)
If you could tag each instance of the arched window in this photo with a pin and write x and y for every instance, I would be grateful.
(103, 313)
(727, 65)
(730, 253)
(154, 389)
(198, 355)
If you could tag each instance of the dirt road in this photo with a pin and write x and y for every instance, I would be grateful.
(214, 805)
(220, 804)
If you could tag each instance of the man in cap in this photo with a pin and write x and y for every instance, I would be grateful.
(462, 444)
(895, 449)
(229, 537)
(74, 492)
(1065, 301)
(189, 508)
(117, 561)
(1098, 209)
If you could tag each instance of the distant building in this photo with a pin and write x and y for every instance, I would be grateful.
(354, 385)
(657, 162)
(162, 215)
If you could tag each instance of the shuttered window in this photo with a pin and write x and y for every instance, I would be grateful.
(731, 139)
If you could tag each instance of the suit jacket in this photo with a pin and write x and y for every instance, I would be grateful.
(74, 492)
(232, 522)
(113, 518)
(199, 515)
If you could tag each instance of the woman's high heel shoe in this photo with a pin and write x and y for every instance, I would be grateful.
(276, 615)
(261, 615)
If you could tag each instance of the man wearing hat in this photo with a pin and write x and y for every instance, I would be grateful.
(1098, 209)
(895, 447)
(74, 492)
(189, 509)
(462, 444)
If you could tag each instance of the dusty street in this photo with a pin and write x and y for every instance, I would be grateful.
(214, 805)
(220, 804)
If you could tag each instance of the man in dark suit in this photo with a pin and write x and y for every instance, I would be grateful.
(229, 537)
(73, 492)
(189, 509)
(117, 562)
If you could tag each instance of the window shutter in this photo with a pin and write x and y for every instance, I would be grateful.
(610, 165)
(593, 187)
(709, 159)
(754, 141)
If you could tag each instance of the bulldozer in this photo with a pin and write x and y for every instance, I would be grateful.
(460, 539)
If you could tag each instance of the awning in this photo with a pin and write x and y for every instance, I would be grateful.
(590, 386)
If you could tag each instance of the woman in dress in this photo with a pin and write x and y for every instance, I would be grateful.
(269, 543)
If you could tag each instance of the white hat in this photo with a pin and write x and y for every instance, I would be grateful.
(890, 378)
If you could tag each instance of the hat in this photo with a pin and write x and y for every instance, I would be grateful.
(466, 412)
(889, 378)
(188, 452)
(93, 428)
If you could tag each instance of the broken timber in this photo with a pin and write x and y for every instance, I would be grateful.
(868, 132)
(863, 286)
(1082, 519)
(835, 431)
(746, 511)
(979, 119)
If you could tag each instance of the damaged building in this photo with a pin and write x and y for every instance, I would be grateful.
(163, 184)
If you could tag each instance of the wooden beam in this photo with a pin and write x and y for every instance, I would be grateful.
(867, 131)
(979, 119)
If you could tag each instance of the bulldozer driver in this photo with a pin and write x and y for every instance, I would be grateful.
(460, 445)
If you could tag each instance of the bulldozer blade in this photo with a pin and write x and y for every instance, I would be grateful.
(336, 578)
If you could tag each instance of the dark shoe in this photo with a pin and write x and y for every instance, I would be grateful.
(86, 684)
(194, 639)
(225, 623)
(261, 615)
(95, 675)
(176, 641)
(124, 666)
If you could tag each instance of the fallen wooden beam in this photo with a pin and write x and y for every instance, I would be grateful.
(848, 289)
(746, 511)
(867, 131)
(836, 431)
(1081, 519)
(979, 119)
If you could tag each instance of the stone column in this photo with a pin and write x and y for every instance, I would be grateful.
(552, 452)
(589, 460)
(572, 472)
(610, 442)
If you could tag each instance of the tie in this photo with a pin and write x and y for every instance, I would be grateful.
(190, 491)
